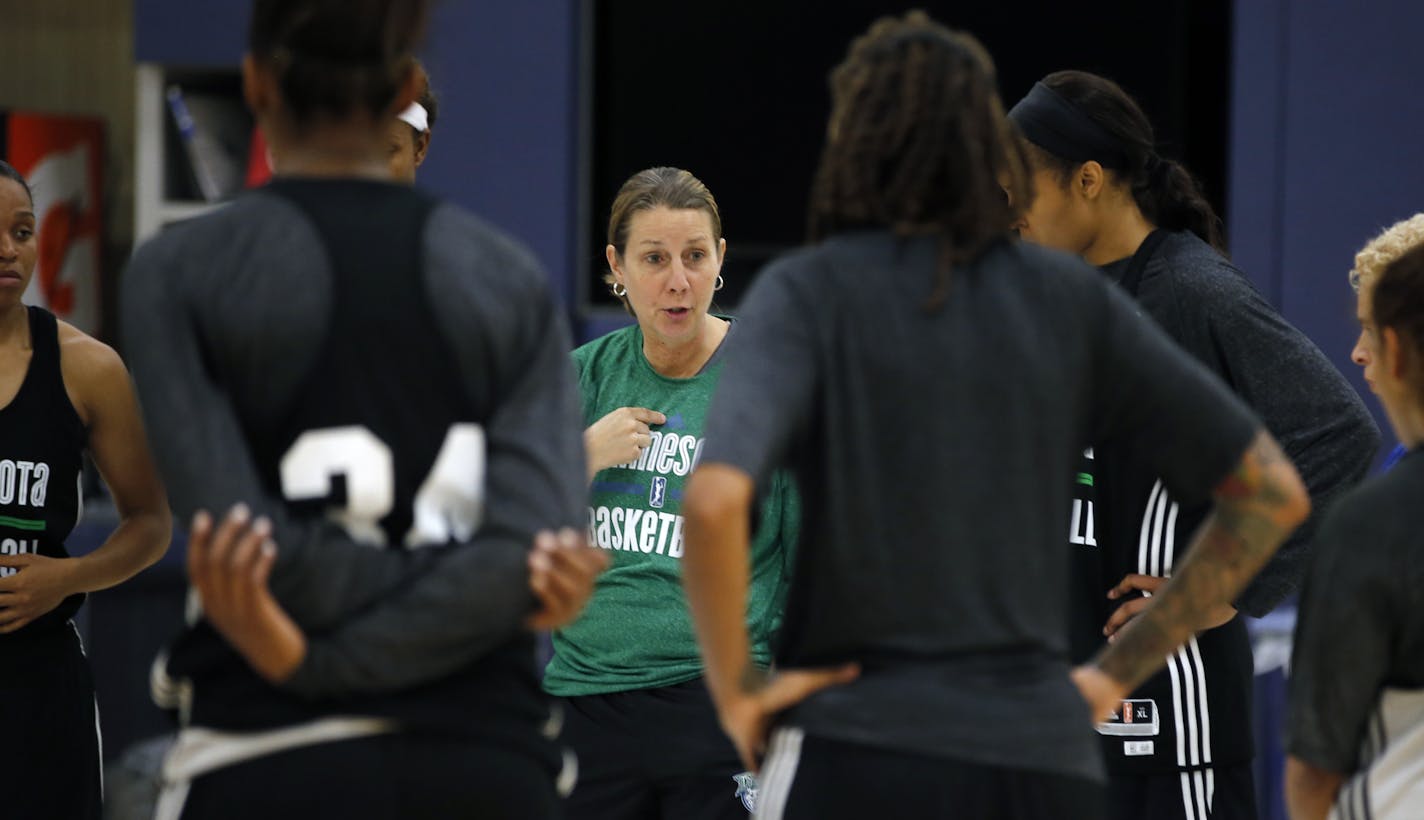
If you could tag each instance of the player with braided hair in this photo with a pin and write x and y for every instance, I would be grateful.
(931, 383)
(899, 161)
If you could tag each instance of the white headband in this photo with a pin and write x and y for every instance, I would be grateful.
(416, 117)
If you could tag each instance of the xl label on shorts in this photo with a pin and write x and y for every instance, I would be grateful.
(1133, 718)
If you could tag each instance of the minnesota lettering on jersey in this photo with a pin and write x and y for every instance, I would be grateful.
(22, 484)
(648, 531)
(1081, 530)
(667, 453)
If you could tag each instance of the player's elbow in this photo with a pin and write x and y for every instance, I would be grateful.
(1267, 483)
(1294, 498)
(1310, 790)
(157, 529)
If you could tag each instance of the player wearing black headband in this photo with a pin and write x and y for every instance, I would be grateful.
(1180, 746)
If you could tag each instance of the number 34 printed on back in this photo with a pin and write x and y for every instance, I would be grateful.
(448, 505)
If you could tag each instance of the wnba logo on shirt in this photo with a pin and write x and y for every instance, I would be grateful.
(657, 493)
(747, 789)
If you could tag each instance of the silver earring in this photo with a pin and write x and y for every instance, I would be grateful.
(719, 283)
(619, 290)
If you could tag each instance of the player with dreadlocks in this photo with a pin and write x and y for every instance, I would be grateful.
(931, 383)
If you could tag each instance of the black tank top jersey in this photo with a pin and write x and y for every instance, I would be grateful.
(1085, 624)
(41, 447)
(1196, 712)
(384, 386)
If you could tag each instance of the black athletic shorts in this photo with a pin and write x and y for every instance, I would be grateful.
(814, 778)
(1220, 793)
(396, 775)
(52, 768)
(652, 754)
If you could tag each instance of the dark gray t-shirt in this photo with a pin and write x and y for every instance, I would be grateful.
(1360, 631)
(935, 451)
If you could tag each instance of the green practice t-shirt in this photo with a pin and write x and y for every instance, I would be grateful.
(637, 632)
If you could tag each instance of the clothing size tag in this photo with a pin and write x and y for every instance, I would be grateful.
(1137, 748)
(1133, 718)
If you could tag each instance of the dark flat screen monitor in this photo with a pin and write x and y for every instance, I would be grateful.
(737, 93)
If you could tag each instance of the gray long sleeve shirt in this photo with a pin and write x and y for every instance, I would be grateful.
(1210, 308)
(345, 302)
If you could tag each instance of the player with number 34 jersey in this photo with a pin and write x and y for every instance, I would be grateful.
(385, 377)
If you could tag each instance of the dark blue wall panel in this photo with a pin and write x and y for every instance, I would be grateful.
(1255, 163)
(506, 143)
(195, 33)
(1325, 150)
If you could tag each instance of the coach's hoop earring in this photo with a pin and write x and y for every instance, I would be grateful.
(719, 283)
(619, 290)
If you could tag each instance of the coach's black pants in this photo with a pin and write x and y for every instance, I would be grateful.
(648, 754)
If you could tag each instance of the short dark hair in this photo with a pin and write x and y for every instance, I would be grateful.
(1397, 302)
(336, 57)
(8, 172)
(918, 143)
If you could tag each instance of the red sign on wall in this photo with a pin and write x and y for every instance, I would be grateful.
(62, 157)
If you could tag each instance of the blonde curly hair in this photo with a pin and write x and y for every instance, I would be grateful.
(1393, 243)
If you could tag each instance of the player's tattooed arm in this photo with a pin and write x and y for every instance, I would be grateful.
(1257, 506)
